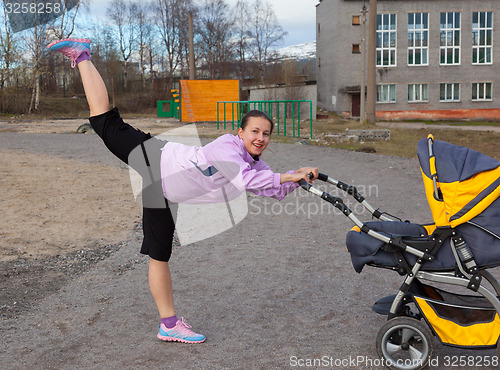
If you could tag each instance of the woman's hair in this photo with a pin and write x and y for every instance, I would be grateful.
(258, 114)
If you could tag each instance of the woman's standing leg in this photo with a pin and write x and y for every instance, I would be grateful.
(160, 284)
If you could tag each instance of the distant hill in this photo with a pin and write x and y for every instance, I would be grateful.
(304, 51)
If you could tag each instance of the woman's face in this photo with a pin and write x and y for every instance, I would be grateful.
(256, 135)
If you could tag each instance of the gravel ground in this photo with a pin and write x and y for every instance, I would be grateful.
(276, 291)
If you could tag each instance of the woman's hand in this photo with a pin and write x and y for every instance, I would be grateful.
(300, 174)
(307, 171)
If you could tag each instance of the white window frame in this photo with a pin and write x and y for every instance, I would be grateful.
(418, 93)
(419, 34)
(387, 39)
(449, 90)
(387, 92)
(451, 36)
(481, 91)
(480, 37)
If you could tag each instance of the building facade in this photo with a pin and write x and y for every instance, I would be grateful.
(435, 59)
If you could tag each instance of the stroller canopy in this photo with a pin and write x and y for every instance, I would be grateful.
(468, 182)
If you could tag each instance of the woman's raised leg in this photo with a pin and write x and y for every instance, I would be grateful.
(95, 89)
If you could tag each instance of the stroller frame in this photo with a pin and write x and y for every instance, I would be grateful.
(466, 274)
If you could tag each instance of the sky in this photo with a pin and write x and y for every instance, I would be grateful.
(296, 17)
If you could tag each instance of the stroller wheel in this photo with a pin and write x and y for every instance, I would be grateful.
(405, 343)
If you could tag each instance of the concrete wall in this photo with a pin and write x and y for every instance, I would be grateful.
(339, 70)
(297, 92)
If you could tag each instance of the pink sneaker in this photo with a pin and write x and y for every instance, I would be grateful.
(72, 48)
(179, 333)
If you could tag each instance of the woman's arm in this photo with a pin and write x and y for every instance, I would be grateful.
(227, 156)
(300, 174)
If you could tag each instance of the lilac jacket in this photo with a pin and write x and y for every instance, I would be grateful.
(220, 171)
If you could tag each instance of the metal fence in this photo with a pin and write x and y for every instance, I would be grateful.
(283, 113)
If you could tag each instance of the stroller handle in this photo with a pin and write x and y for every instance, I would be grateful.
(335, 201)
(339, 203)
(352, 191)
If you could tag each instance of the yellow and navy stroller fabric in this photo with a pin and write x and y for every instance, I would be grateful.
(468, 182)
(466, 198)
(457, 319)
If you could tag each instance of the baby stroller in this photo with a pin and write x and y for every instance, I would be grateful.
(462, 188)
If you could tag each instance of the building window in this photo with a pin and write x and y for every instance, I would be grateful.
(386, 40)
(482, 41)
(449, 92)
(450, 38)
(386, 93)
(417, 93)
(481, 91)
(356, 20)
(418, 37)
(356, 49)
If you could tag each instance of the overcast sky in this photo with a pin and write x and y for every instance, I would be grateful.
(297, 17)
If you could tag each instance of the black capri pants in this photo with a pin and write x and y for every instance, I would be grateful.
(142, 152)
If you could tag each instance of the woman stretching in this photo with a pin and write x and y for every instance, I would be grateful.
(174, 173)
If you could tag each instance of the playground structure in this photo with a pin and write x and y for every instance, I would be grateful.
(218, 100)
(172, 106)
(199, 98)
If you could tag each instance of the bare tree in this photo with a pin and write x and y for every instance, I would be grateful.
(151, 55)
(242, 36)
(122, 14)
(167, 22)
(8, 54)
(7, 45)
(144, 30)
(215, 29)
(37, 42)
(266, 33)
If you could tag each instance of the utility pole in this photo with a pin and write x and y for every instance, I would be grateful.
(363, 56)
(192, 74)
(372, 55)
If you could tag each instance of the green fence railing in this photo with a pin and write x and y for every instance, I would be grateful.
(283, 112)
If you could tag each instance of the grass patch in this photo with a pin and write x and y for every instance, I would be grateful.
(403, 142)
(76, 106)
(460, 123)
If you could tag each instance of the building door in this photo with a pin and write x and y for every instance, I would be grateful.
(356, 102)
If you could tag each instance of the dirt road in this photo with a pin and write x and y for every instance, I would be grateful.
(276, 291)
